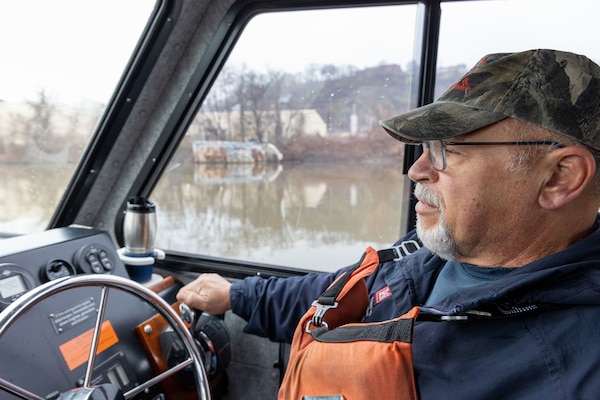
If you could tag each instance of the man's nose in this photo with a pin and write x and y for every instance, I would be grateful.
(422, 169)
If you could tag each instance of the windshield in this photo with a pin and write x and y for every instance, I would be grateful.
(328, 182)
(285, 163)
(59, 71)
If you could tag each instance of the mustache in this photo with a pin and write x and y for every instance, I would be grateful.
(427, 195)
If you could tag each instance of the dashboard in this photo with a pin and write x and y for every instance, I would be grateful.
(46, 349)
(28, 261)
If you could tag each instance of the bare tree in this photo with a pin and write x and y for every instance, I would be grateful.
(214, 120)
(41, 128)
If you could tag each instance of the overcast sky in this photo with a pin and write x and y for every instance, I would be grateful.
(99, 36)
(96, 39)
(473, 27)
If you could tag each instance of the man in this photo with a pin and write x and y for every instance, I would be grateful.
(508, 195)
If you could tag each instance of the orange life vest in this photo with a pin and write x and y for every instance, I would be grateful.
(335, 356)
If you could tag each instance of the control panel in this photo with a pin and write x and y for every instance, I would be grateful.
(51, 340)
(28, 261)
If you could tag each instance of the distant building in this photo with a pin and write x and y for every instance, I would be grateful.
(225, 125)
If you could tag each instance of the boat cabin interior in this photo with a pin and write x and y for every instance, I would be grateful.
(143, 143)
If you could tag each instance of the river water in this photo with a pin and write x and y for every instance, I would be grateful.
(310, 216)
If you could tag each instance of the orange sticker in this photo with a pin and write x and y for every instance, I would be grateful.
(77, 350)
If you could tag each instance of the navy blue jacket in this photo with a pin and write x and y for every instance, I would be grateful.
(542, 340)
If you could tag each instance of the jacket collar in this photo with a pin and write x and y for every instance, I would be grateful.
(569, 277)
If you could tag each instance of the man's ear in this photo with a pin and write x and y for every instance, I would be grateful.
(570, 171)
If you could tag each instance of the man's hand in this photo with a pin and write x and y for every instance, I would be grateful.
(209, 292)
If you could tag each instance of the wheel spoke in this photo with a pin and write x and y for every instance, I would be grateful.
(95, 338)
(18, 391)
(158, 378)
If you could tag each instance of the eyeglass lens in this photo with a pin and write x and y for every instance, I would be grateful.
(437, 155)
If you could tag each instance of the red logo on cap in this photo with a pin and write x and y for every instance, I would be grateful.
(463, 85)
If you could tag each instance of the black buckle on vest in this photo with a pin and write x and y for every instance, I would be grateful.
(317, 318)
(405, 248)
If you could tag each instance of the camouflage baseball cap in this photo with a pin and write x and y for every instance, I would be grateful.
(557, 90)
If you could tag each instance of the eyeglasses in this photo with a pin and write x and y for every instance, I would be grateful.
(437, 148)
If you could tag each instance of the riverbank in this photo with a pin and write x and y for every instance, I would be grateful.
(375, 146)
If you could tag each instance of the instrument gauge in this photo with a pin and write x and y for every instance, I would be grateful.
(57, 269)
(14, 281)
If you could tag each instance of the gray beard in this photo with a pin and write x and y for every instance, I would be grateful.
(437, 239)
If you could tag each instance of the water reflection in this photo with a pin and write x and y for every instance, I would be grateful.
(31, 194)
(314, 216)
(226, 174)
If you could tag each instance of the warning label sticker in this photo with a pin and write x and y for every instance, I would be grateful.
(77, 350)
(71, 316)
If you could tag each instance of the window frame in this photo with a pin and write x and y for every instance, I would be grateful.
(201, 82)
(429, 12)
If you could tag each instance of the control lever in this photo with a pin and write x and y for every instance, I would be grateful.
(211, 337)
(188, 314)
